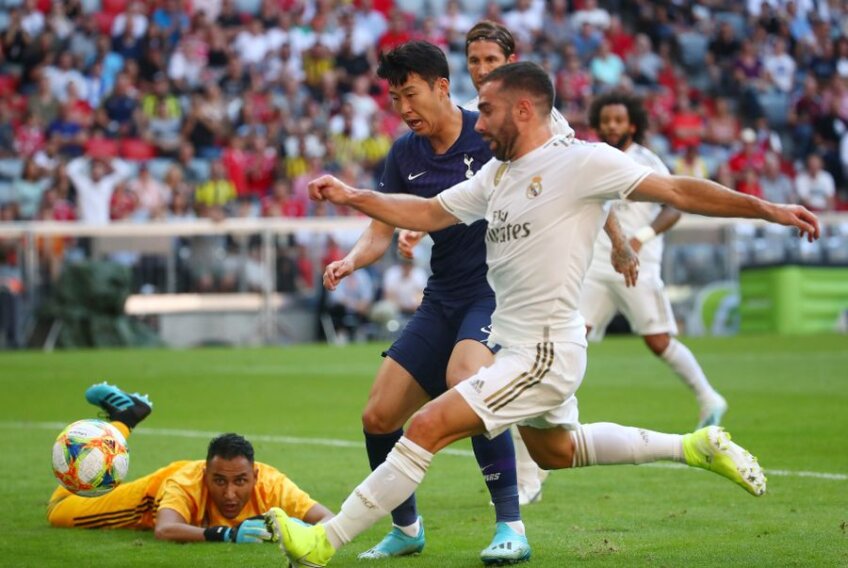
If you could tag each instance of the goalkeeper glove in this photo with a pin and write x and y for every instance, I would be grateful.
(250, 531)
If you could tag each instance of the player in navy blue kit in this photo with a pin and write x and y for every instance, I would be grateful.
(445, 341)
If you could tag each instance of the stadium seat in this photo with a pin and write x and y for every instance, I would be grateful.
(11, 168)
(248, 6)
(104, 22)
(8, 85)
(474, 8)
(101, 148)
(415, 7)
(158, 167)
(137, 149)
(113, 7)
(91, 6)
(201, 167)
(7, 192)
(775, 105)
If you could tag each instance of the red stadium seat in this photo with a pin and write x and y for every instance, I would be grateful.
(113, 7)
(101, 148)
(8, 85)
(104, 22)
(136, 149)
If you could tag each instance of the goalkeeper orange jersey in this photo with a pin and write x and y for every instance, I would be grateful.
(178, 486)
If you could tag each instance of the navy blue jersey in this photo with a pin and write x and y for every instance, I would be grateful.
(458, 260)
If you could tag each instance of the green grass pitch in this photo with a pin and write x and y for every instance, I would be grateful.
(300, 405)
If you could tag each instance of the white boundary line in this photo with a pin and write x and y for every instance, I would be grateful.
(297, 441)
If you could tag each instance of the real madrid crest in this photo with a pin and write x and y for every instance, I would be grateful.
(535, 187)
(500, 173)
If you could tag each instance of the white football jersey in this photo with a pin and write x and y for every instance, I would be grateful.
(559, 124)
(633, 215)
(544, 212)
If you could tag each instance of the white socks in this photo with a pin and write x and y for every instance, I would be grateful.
(681, 360)
(386, 488)
(605, 443)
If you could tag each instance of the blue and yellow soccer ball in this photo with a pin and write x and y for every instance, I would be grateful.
(90, 458)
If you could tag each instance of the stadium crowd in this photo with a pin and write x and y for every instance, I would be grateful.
(129, 110)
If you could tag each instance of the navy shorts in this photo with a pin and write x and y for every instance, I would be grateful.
(426, 343)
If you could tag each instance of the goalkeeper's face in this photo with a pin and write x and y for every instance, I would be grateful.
(230, 483)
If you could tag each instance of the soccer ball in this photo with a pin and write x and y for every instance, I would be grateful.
(90, 458)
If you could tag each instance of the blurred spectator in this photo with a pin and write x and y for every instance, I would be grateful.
(349, 305)
(29, 135)
(261, 167)
(749, 183)
(134, 19)
(205, 126)
(586, 42)
(43, 103)
(368, 19)
(750, 156)
(606, 67)
(172, 19)
(777, 187)
(118, 115)
(456, 24)
(814, 185)
(11, 285)
(281, 203)
(69, 133)
(722, 128)
(123, 203)
(218, 191)
(28, 189)
(403, 286)
(163, 130)
(593, 15)
(644, 64)
(152, 194)
(780, 66)
(525, 22)
(396, 34)
(94, 181)
(691, 164)
(62, 74)
(687, 125)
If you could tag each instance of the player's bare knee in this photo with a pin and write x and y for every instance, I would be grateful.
(658, 343)
(425, 427)
(378, 421)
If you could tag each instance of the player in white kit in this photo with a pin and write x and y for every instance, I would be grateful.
(544, 199)
(489, 45)
(620, 120)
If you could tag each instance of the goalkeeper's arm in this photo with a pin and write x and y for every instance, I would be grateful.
(170, 525)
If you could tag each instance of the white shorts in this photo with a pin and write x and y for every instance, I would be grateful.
(646, 305)
(529, 386)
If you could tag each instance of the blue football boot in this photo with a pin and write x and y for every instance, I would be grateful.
(130, 409)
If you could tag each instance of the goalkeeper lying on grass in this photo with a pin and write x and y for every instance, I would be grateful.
(214, 500)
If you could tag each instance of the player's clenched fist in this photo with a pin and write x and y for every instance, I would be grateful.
(335, 271)
(407, 241)
(329, 188)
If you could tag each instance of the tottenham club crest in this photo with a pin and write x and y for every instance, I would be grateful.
(535, 187)
(469, 173)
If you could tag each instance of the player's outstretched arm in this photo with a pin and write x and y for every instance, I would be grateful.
(405, 211)
(369, 248)
(318, 513)
(705, 197)
(623, 257)
(170, 525)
